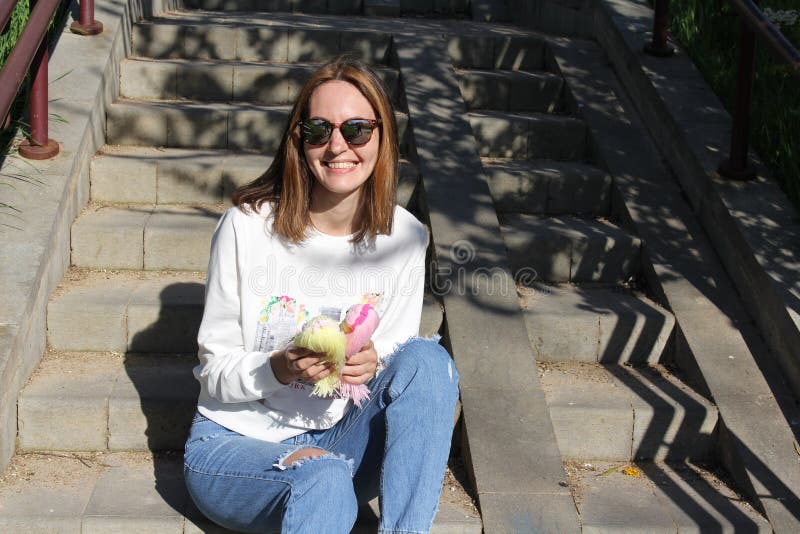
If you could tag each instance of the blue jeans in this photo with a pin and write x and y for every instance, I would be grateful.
(396, 446)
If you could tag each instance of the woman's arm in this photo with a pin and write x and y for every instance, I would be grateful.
(229, 371)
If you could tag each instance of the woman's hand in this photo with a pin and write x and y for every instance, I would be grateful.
(294, 363)
(361, 366)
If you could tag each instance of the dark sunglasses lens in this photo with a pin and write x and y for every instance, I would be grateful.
(356, 131)
(316, 132)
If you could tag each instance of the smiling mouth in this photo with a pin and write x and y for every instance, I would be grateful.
(340, 164)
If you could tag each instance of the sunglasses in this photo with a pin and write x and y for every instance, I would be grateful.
(354, 131)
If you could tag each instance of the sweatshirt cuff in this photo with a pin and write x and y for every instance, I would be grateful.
(264, 379)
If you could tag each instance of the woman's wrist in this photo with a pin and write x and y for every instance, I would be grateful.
(279, 368)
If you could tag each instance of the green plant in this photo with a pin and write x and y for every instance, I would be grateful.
(710, 36)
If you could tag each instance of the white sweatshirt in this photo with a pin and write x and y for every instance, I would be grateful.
(259, 292)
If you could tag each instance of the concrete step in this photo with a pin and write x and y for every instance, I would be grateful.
(490, 11)
(333, 7)
(502, 134)
(150, 237)
(624, 413)
(508, 90)
(662, 498)
(223, 81)
(141, 492)
(144, 312)
(569, 249)
(144, 175)
(244, 37)
(489, 52)
(108, 401)
(179, 124)
(568, 323)
(548, 187)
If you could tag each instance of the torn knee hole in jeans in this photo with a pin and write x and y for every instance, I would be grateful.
(298, 456)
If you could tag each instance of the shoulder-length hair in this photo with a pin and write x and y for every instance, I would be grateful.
(287, 183)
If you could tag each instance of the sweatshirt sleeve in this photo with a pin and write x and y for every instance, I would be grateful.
(402, 316)
(228, 371)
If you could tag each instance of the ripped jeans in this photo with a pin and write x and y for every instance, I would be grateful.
(396, 446)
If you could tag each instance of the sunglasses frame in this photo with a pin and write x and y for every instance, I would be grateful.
(331, 126)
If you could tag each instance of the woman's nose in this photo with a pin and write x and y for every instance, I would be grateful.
(337, 144)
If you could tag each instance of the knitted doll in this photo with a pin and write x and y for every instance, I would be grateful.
(339, 342)
(360, 322)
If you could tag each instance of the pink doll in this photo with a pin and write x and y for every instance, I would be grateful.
(339, 342)
(359, 324)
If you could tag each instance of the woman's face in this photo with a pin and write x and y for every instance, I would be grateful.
(341, 168)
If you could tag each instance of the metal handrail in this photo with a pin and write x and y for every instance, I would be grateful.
(753, 23)
(30, 55)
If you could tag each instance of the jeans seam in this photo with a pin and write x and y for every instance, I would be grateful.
(236, 475)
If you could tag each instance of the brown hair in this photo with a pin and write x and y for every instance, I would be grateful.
(287, 183)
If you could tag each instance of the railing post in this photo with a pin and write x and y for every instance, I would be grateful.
(86, 25)
(39, 146)
(735, 167)
(659, 46)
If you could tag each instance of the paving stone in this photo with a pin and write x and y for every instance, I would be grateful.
(701, 503)
(196, 126)
(148, 79)
(501, 136)
(518, 54)
(173, 176)
(209, 42)
(312, 46)
(90, 317)
(592, 416)
(157, 40)
(48, 497)
(621, 503)
(263, 44)
(510, 90)
(484, 89)
(267, 84)
(552, 187)
(585, 324)
(164, 315)
(257, 128)
(577, 250)
(671, 421)
(123, 179)
(382, 8)
(128, 124)
(471, 52)
(205, 81)
(510, 513)
(106, 237)
(535, 469)
(65, 405)
(152, 403)
(153, 502)
(189, 182)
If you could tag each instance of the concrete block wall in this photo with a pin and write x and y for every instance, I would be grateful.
(558, 17)
(36, 248)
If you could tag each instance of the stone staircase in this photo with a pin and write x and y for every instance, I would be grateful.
(203, 99)
(637, 442)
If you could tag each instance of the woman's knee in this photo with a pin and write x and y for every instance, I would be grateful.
(427, 361)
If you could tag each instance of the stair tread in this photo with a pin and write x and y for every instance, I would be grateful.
(625, 413)
(663, 497)
(145, 311)
(569, 249)
(128, 491)
(594, 324)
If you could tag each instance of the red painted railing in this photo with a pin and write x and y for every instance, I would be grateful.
(30, 54)
(753, 24)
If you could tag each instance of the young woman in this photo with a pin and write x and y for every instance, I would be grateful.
(318, 232)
